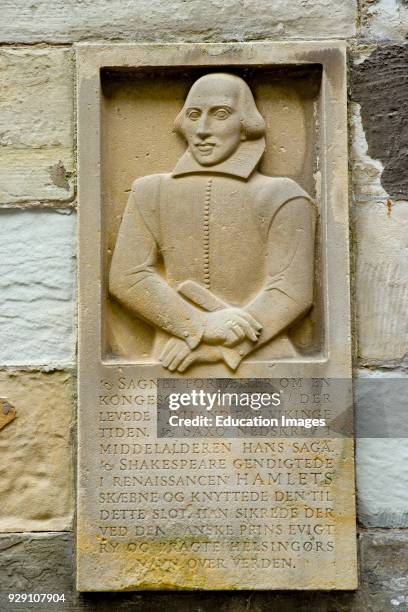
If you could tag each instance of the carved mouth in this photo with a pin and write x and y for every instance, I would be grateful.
(205, 148)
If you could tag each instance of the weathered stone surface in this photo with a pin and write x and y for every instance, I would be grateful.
(36, 472)
(384, 19)
(366, 171)
(384, 573)
(37, 283)
(44, 563)
(382, 448)
(39, 563)
(36, 118)
(382, 482)
(381, 282)
(380, 87)
(61, 21)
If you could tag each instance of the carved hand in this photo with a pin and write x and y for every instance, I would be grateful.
(174, 353)
(178, 356)
(229, 326)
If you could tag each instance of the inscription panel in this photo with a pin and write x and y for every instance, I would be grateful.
(211, 513)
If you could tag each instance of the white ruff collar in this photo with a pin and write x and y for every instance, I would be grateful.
(241, 163)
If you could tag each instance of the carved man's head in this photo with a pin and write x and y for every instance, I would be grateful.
(219, 113)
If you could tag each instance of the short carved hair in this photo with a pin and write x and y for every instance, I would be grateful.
(252, 122)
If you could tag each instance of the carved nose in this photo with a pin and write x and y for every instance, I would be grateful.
(203, 128)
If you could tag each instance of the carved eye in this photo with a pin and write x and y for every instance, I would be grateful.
(193, 114)
(222, 113)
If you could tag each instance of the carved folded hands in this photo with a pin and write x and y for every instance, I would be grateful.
(225, 327)
(229, 326)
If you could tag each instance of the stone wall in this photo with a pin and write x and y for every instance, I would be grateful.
(37, 280)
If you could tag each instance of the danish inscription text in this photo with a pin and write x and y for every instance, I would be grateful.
(224, 504)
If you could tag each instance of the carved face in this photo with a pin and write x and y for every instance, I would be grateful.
(211, 121)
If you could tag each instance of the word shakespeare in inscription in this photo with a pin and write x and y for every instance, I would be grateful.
(215, 408)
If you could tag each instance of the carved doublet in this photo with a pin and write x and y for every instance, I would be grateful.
(214, 229)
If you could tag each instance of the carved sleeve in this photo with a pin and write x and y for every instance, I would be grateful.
(135, 281)
(288, 292)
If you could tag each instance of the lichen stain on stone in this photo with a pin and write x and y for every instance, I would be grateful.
(7, 412)
(59, 175)
(149, 570)
(389, 208)
(380, 86)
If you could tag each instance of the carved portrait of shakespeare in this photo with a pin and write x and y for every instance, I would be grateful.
(217, 257)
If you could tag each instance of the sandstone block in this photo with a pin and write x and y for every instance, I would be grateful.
(379, 141)
(35, 563)
(384, 19)
(366, 171)
(384, 561)
(37, 284)
(196, 20)
(382, 448)
(381, 283)
(36, 132)
(36, 472)
(382, 482)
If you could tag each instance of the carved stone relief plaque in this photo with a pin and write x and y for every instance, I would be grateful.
(213, 245)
